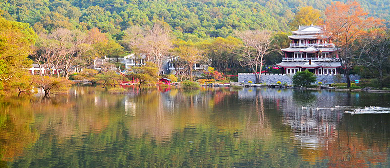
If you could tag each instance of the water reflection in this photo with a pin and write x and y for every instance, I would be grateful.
(204, 128)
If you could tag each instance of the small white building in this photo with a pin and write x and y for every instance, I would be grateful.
(36, 69)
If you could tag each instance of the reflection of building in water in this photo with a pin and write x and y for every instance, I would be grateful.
(130, 107)
(312, 127)
(312, 116)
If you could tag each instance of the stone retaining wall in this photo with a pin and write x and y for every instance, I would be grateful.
(287, 79)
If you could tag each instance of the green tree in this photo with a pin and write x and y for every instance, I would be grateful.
(111, 78)
(147, 74)
(16, 41)
(189, 53)
(223, 52)
(303, 78)
(279, 40)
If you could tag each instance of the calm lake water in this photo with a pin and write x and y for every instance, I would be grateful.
(206, 128)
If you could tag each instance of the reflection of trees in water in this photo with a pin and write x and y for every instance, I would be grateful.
(362, 141)
(256, 125)
(303, 97)
(209, 129)
(151, 117)
(15, 128)
(374, 127)
(352, 150)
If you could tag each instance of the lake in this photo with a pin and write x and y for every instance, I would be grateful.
(211, 127)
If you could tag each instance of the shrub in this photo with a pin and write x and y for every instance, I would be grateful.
(172, 77)
(340, 85)
(303, 78)
(235, 87)
(368, 83)
(190, 85)
(386, 81)
(355, 87)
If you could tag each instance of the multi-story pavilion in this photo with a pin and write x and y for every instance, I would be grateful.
(310, 50)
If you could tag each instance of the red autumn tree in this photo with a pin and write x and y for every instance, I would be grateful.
(347, 23)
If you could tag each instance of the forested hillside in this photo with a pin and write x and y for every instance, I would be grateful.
(188, 19)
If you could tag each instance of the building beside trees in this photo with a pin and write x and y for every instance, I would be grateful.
(310, 50)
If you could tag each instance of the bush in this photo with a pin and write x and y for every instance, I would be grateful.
(312, 86)
(304, 78)
(235, 87)
(340, 85)
(368, 83)
(355, 87)
(190, 85)
(386, 81)
(172, 77)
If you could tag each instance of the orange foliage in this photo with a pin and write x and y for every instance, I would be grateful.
(347, 22)
(95, 36)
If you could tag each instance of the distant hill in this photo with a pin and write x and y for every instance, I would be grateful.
(187, 18)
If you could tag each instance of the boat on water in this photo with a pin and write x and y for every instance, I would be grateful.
(370, 110)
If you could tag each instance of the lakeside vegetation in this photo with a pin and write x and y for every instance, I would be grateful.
(68, 37)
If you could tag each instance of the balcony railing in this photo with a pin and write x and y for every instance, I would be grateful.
(298, 45)
(314, 59)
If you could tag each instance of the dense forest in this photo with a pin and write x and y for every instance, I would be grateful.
(187, 19)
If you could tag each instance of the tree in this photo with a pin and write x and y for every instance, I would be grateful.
(346, 24)
(304, 78)
(189, 53)
(306, 16)
(146, 74)
(61, 49)
(257, 45)
(279, 40)
(49, 84)
(16, 41)
(111, 78)
(155, 43)
(222, 52)
(375, 55)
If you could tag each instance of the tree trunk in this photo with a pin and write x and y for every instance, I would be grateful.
(380, 78)
(261, 68)
(47, 93)
(348, 78)
(191, 72)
